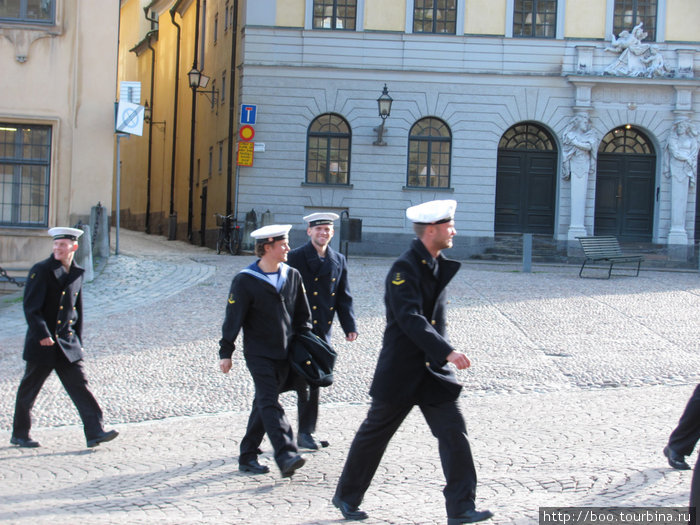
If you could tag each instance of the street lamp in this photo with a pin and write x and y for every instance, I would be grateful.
(197, 80)
(148, 115)
(384, 103)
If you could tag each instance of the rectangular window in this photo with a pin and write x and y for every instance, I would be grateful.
(630, 13)
(221, 156)
(223, 88)
(226, 17)
(535, 18)
(28, 11)
(435, 16)
(213, 97)
(25, 156)
(211, 160)
(216, 27)
(335, 14)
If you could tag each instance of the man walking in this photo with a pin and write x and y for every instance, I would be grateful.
(325, 276)
(267, 301)
(685, 436)
(53, 307)
(412, 369)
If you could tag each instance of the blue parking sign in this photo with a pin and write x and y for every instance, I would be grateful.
(248, 114)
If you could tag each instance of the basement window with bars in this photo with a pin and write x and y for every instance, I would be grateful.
(25, 158)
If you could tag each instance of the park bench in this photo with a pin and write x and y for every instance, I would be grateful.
(605, 249)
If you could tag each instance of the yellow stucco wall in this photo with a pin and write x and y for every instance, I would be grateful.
(683, 20)
(484, 17)
(290, 13)
(385, 15)
(585, 19)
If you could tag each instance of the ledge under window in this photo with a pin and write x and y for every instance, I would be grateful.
(322, 185)
(427, 188)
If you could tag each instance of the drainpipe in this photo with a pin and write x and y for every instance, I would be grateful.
(150, 131)
(232, 111)
(172, 222)
(192, 126)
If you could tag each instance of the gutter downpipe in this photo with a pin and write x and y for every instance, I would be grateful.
(193, 127)
(150, 133)
(232, 115)
(172, 221)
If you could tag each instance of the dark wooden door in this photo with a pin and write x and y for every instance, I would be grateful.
(525, 191)
(624, 203)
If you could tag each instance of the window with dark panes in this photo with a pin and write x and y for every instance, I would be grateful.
(429, 153)
(328, 150)
(535, 18)
(25, 156)
(335, 14)
(629, 13)
(28, 11)
(435, 16)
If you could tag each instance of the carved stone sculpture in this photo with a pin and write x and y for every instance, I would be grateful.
(636, 59)
(681, 166)
(579, 154)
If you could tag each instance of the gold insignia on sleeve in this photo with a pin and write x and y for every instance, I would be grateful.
(231, 300)
(398, 281)
(32, 276)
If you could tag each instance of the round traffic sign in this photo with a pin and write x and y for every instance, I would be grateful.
(246, 132)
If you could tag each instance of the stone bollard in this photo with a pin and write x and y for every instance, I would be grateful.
(83, 257)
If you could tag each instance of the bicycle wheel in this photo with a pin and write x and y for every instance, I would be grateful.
(235, 245)
(220, 242)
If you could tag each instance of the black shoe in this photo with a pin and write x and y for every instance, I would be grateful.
(254, 467)
(292, 464)
(471, 516)
(349, 512)
(24, 442)
(675, 459)
(305, 440)
(104, 436)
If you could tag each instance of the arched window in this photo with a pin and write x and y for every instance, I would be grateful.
(629, 13)
(435, 16)
(429, 153)
(335, 14)
(328, 150)
(625, 140)
(527, 136)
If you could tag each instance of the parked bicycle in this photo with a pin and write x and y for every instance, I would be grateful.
(229, 234)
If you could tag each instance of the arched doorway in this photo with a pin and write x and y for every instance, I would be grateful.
(624, 195)
(526, 177)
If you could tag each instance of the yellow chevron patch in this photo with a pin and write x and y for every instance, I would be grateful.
(231, 300)
(397, 280)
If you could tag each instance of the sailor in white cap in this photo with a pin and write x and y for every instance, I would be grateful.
(267, 302)
(414, 369)
(53, 307)
(325, 275)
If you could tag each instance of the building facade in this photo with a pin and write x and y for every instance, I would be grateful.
(56, 120)
(561, 118)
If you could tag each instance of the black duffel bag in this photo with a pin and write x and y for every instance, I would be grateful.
(312, 358)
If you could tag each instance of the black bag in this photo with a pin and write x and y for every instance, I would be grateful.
(312, 358)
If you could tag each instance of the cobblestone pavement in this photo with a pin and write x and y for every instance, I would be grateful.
(574, 388)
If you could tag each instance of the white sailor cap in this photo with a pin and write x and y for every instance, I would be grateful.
(271, 233)
(316, 219)
(65, 233)
(432, 212)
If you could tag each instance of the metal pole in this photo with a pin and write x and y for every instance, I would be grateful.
(527, 252)
(119, 176)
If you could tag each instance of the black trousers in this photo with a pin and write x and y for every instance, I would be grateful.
(383, 420)
(308, 410)
(685, 436)
(267, 415)
(72, 376)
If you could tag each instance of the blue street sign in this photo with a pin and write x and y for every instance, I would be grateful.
(248, 112)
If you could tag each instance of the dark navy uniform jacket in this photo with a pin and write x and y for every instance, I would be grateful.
(53, 307)
(412, 365)
(269, 315)
(327, 288)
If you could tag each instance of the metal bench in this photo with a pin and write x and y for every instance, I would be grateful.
(605, 249)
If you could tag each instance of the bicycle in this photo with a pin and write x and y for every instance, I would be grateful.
(229, 234)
